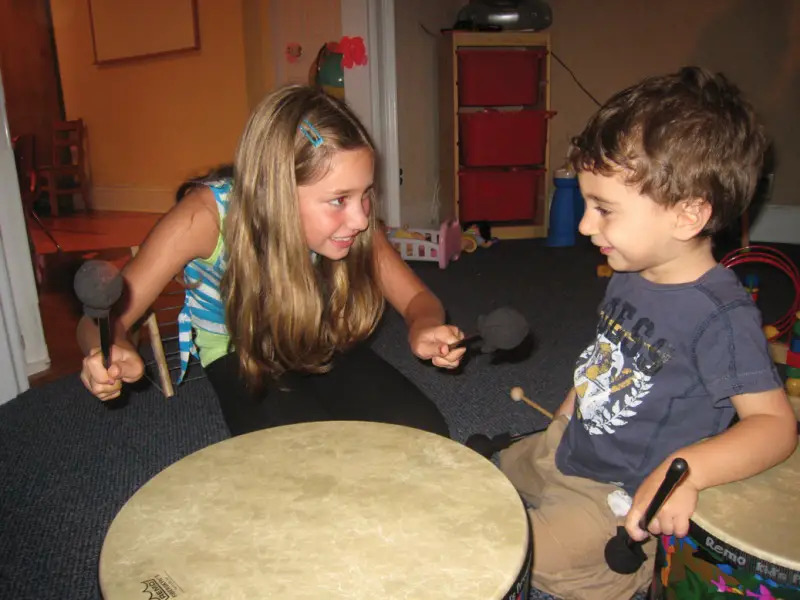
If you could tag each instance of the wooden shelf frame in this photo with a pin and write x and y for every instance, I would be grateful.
(449, 107)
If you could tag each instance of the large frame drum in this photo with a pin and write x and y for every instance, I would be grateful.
(322, 510)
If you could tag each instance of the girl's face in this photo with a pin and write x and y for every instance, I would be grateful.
(335, 209)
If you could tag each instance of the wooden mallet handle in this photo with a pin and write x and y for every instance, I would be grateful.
(517, 394)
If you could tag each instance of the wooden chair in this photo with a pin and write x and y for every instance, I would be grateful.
(161, 328)
(67, 173)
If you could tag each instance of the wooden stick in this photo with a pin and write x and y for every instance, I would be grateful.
(517, 394)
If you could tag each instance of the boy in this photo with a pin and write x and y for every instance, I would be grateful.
(679, 349)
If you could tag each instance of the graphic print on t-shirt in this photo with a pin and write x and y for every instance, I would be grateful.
(614, 375)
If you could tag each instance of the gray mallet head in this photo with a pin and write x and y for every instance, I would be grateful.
(98, 285)
(503, 328)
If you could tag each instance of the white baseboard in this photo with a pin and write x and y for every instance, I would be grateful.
(138, 199)
(32, 368)
(777, 223)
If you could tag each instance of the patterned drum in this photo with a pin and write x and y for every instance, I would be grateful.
(322, 510)
(743, 542)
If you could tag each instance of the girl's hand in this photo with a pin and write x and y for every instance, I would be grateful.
(126, 366)
(673, 518)
(433, 343)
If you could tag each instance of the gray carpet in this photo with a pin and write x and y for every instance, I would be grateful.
(68, 464)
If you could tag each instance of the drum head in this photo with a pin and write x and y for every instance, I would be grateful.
(320, 510)
(757, 515)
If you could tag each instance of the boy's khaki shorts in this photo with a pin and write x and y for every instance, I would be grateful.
(571, 524)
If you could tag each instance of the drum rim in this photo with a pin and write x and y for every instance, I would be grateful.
(732, 491)
(699, 531)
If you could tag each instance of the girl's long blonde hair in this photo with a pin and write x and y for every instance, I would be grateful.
(285, 310)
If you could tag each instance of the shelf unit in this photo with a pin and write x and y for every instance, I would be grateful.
(458, 197)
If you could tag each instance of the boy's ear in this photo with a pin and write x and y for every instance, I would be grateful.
(692, 216)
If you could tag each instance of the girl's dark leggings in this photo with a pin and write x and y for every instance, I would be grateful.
(361, 386)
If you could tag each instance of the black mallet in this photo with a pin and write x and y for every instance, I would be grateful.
(502, 329)
(486, 446)
(98, 285)
(625, 556)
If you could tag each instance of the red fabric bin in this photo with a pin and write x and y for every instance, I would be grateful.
(498, 194)
(494, 77)
(497, 138)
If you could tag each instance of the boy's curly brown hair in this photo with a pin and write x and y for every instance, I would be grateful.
(690, 134)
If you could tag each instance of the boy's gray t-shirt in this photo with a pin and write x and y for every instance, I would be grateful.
(660, 374)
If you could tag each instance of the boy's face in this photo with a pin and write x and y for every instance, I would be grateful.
(632, 230)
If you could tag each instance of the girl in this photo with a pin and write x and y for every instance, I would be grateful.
(286, 273)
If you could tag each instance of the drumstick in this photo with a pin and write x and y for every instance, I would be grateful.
(486, 446)
(98, 285)
(502, 329)
(623, 554)
(517, 394)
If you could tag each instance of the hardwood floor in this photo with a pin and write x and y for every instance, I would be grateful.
(105, 235)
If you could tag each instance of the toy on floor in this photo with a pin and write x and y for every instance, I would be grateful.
(432, 245)
(518, 394)
(784, 353)
(604, 270)
(788, 353)
(775, 258)
(471, 239)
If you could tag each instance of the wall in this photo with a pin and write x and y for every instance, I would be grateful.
(614, 43)
(23, 350)
(610, 45)
(30, 78)
(258, 50)
(151, 123)
(418, 24)
(310, 23)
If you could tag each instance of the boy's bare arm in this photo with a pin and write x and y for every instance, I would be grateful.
(765, 435)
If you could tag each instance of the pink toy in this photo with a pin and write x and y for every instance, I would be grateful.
(442, 245)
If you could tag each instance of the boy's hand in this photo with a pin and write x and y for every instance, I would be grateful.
(433, 343)
(673, 518)
(126, 366)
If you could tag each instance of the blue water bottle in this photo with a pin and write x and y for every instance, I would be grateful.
(566, 209)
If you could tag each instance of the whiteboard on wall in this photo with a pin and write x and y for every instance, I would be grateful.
(135, 29)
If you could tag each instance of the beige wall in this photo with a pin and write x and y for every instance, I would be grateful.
(417, 104)
(310, 23)
(609, 45)
(614, 43)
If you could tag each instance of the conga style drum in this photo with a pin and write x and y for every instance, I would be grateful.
(744, 541)
(322, 510)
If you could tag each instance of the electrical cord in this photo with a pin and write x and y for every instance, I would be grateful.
(580, 85)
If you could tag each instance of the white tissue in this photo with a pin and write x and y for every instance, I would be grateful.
(620, 502)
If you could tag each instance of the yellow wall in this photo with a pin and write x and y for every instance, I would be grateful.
(258, 50)
(153, 122)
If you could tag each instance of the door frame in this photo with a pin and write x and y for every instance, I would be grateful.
(372, 92)
(23, 350)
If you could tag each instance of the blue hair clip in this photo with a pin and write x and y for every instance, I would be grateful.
(311, 133)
